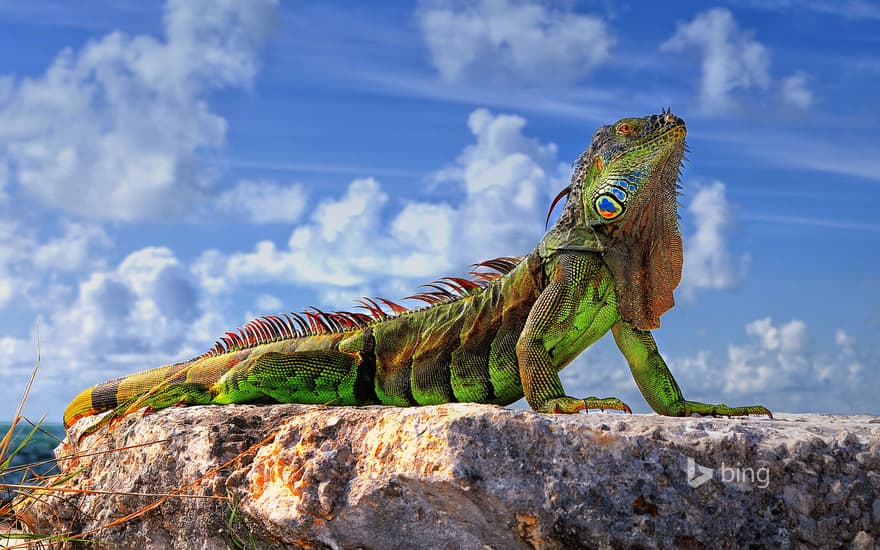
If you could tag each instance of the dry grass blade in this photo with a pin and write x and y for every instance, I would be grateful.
(7, 438)
(96, 492)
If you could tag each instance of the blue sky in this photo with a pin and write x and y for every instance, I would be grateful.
(168, 171)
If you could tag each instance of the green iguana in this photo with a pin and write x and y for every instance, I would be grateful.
(610, 262)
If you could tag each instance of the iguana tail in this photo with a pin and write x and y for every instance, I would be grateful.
(120, 393)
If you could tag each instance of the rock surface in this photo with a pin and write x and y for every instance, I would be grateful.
(473, 476)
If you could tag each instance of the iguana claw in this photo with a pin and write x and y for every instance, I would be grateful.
(572, 405)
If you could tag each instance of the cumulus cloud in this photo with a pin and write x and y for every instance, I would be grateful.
(73, 250)
(356, 241)
(783, 366)
(732, 60)
(143, 312)
(780, 363)
(336, 248)
(10, 254)
(345, 244)
(518, 39)
(7, 288)
(509, 179)
(30, 267)
(140, 313)
(708, 261)
(268, 302)
(141, 306)
(4, 178)
(846, 342)
(775, 354)
(795, 91)
(262, 202)
(114, 130)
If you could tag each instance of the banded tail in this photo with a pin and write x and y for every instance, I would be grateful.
(120, 392)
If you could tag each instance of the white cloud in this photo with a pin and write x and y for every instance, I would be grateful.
(796, 92)
(17, 356)
(509, 179)
(353, 242)
(114, 130)
(847, 9)
(7, 287)
(73, 250)
(4, 180)
(9, 254)
(145, 311)
(732, 61)
(18, 273)
(345, 244)
(210, 270)
(520, 39)
(846, 342)
(422, 224)
(708, 261)
(267, 303)
(782, 366)
(33, 272)
(262, 202)
(341, 246)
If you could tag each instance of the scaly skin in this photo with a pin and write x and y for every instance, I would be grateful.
(610, 262)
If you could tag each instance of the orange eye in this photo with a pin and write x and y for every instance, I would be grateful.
(625, 128)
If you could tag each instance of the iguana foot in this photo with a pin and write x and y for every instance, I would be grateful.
(688, 408)
(572, 405)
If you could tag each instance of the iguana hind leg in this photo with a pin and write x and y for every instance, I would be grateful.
(315, 377)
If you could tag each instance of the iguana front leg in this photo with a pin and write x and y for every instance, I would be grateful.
(573, 311)
(656, 382)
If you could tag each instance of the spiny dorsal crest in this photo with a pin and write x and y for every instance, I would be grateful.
(313, 321)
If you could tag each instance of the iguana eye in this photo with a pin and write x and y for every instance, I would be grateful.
(608, 206)
(625, 128)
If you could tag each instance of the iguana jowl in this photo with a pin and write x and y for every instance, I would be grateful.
(610, 262)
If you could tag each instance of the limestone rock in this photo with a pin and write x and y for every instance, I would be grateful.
(472, 476)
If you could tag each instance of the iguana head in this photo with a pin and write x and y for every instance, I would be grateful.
(634, 166)
(625, 189)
